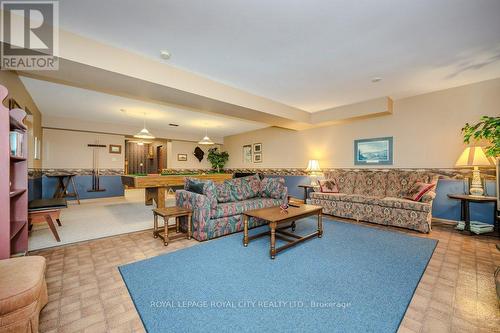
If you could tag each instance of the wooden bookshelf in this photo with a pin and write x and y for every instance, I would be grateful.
(13, 183)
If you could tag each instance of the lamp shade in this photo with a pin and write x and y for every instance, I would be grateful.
(144, 134)
(313, 167)
(473, 157)
(206, 141)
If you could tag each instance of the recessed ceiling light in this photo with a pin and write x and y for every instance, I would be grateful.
(376, 79)
(164, 54)
(123, 110)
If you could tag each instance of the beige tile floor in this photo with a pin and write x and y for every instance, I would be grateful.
(87, 293)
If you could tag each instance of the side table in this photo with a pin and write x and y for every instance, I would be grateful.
(306, 188)
(465, 201)
(63, 180)
(167, 213)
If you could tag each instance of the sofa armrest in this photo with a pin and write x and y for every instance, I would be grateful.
(284, 195)
(199, 204)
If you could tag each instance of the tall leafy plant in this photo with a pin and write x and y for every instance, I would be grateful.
(488, 129)
(217, 158)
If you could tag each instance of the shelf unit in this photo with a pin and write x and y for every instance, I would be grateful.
(13, 184)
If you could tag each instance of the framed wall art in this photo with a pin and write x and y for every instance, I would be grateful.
(376, 151)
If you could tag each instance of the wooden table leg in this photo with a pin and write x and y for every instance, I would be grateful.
(52, 227)
(57, 192)
(155, 225)
(160, 197)
(272, 225)
(177, 224)
(466, 215)
(320, 225)
(245, 230)
(165, 222)
(189, 226)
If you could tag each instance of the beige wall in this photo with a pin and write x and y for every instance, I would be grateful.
(187, 147)
(426, 131)
(68, 149)
(17, 90)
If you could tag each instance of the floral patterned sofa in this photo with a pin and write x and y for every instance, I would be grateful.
(218, 210)
(377, 197)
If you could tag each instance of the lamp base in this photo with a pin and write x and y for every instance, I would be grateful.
(476, 188)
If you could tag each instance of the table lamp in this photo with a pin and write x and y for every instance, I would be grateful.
(314, 171)
(474, 157)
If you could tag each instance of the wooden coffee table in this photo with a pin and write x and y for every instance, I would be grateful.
(277, 219)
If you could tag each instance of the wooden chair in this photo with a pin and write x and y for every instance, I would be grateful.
(46, 210)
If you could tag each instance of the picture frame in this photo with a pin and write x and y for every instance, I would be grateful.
(115, 149)
(257, 157)
(247, 153)
(257, 148)
(182, 157)
(375, 151)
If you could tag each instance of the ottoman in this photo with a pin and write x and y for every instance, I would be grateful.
(23, 293)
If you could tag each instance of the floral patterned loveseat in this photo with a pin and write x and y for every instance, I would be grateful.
(218, 210)
(377, 197)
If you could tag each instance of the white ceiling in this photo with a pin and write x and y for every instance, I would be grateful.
(57, 100)
(312, 54)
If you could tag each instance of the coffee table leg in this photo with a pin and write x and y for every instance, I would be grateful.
(189, 225)
(155, 225)
(272, 225)
(165, 222)
(245, 230)
(320, 225)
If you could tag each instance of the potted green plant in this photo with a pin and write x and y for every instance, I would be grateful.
(217, 158)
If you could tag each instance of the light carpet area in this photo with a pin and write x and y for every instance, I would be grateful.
(353, 279)
(97, 218)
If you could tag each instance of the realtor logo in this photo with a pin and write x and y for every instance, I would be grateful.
(30, 38)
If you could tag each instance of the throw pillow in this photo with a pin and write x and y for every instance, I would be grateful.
(272, 187)
(417, 191)
(196, 187)
(243, 188)
(328, 186)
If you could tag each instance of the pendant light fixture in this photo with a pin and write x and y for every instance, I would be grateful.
(206, 140)
(144, 133)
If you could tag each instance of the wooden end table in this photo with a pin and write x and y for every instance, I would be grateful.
(306, 188)
(63, 181)
(277, 218)
(465, 201)
(167, 213)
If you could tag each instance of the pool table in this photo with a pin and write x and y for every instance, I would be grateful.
(156, 186)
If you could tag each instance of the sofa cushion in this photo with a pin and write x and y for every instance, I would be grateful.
(371, 183)
(328, 186)
(417, 191)
(364, 199)
(272, 187)
(404, 204)
(399, 182)
(328, 196)
(223, 193)
(345, 180)
(243, 188)
(235, 208)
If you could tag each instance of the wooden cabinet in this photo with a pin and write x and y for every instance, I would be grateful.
(13, 182)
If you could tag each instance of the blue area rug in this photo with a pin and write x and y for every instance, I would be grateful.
(354, 279)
